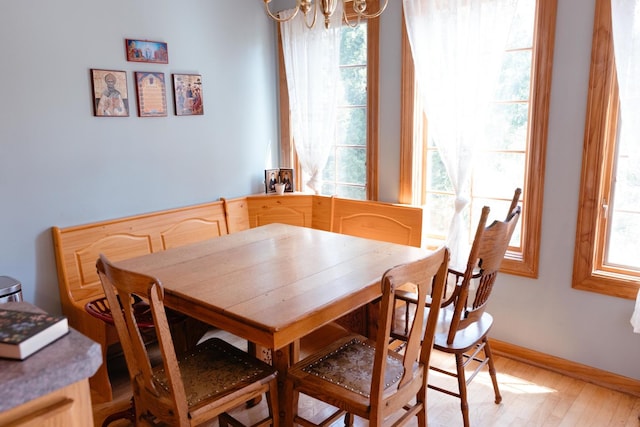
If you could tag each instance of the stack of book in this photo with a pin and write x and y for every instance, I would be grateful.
(23, 333)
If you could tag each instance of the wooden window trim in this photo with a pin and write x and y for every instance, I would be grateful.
(589, 273)
(288, 157)
(408, 93)
(373, 106)
(524, 262)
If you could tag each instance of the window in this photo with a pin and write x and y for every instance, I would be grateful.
(347, 172)
(608, 228)
(518, 129)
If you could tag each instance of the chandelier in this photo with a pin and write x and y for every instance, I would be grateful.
(327, 7)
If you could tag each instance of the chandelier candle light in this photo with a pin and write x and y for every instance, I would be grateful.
(327, 7)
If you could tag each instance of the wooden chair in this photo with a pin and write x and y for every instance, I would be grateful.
(463, 328)
(364, 377)
(100, 309)
(205, 383)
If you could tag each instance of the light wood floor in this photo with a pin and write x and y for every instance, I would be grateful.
(531, 396)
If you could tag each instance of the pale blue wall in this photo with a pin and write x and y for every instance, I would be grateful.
(62, 166)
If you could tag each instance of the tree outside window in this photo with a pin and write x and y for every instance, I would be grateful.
(345, 173)
(515, 131)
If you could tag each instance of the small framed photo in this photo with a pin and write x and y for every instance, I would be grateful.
(152, 94)
(146, 51)
(287, 178)
(110, 94)
(271, 178)
(187, 94)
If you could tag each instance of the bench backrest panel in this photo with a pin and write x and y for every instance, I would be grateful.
(77, 248)
(380, 221)
(287, 209)
(237, 212)
(191, 231)
(321, 212)
(117, 247)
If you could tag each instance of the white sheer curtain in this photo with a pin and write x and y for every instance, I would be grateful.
(312, 59)
(625, 21)
(457, 47)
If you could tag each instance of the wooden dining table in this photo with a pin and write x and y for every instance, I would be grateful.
(273, 284)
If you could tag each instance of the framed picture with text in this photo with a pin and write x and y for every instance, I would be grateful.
(152, 94)
(110, 94)
(187, 94)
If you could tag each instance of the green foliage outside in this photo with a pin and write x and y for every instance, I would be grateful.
(345, 172)
(502, 160)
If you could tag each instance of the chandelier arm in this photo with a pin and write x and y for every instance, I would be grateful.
(373, 15)
(348, 23)
(315, 16)
(360, 12)
(276, 17)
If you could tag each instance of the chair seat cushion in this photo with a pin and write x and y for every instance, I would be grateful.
(351, 367)
(214, 368)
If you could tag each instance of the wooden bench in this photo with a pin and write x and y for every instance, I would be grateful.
(77, 249)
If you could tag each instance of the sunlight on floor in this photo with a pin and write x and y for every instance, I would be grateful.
(506, 383)
(510, 384)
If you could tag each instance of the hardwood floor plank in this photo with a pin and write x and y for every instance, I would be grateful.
(532, 397)
(634, 416)
(584, 407)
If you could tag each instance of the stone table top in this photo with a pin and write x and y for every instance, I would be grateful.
(61, 363)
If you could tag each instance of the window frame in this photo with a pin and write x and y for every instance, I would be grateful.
(589, 271)
(523, 262)
(288, 157)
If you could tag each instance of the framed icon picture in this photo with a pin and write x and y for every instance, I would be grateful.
(152, 94)
(287, 178)
(271, 178)
(110, 94)
(187, 94)
(146, 51)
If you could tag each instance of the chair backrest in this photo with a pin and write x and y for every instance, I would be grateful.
(146, 393)
(429, 276)
(489, 247)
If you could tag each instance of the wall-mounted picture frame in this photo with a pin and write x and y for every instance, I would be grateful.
(110, 93)
(287, 177)
(271, 178)
(146, 51)
(152, 94)
(187, 94)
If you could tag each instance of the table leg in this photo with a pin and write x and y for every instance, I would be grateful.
(282, 359)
